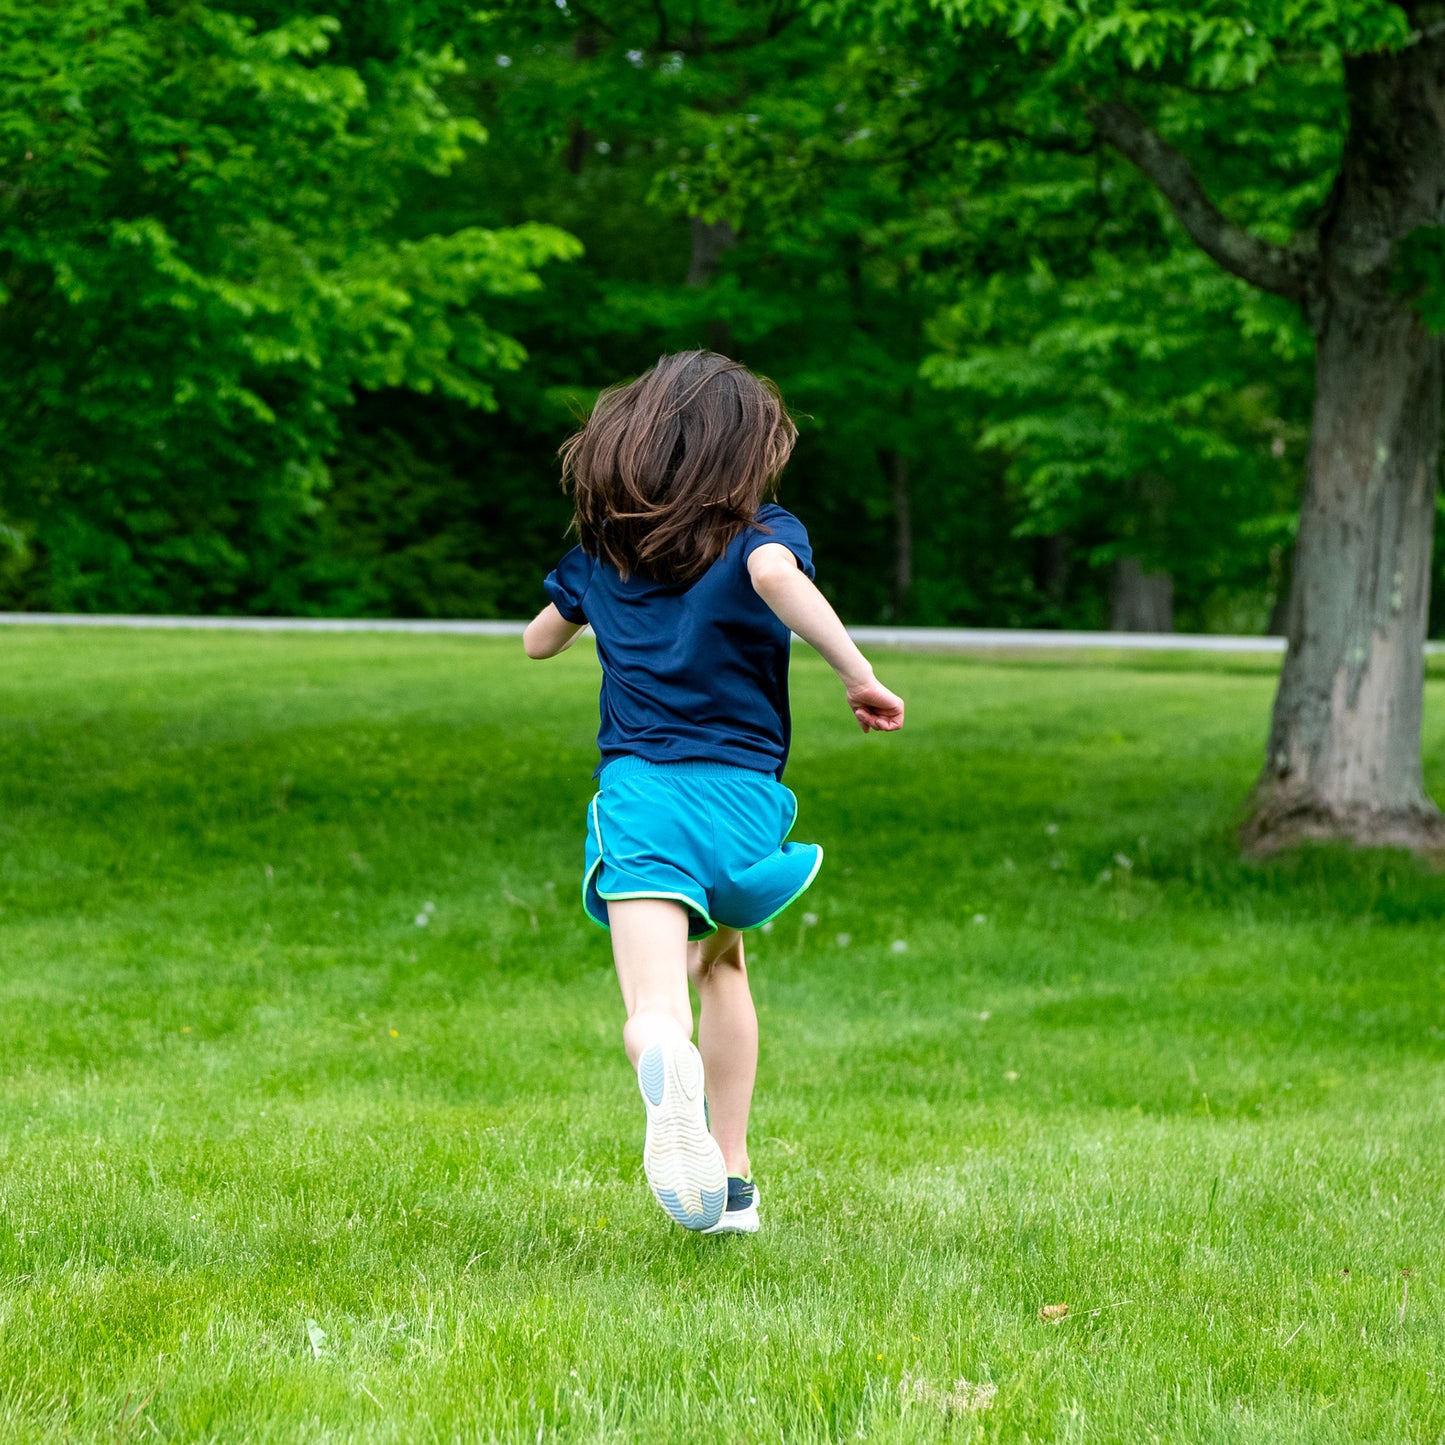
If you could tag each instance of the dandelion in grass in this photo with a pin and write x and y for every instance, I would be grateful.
(899, 945)
(422, 920)
(810, 920)
(766, 928)
(1011, 1075)
(843, 940)
(980, 917)
(1052, 829)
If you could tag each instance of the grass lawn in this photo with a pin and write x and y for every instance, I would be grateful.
(316, 1125)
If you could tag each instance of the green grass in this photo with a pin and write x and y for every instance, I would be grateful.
(1074, 1051)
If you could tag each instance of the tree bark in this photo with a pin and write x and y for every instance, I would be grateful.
(1140, 601)
(1053, 563)
(1344, 752)
(710, 241)
(585, 46)
(1344, 749)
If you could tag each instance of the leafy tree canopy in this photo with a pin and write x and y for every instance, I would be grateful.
(272, 271)
(199, 266)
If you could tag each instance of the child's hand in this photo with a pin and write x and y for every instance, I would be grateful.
(876, 709)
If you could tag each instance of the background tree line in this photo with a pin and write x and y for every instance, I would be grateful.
(298, 306)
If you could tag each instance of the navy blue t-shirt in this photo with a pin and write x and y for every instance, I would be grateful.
(693, 670)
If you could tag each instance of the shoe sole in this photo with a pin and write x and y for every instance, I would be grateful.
(682, 1161)
(741, 1221)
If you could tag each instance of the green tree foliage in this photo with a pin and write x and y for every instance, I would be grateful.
(627, 120)
(1142, 404)
(768, 191)
(199, 267)
(1300, 148)
(878, 200)
(267, 297)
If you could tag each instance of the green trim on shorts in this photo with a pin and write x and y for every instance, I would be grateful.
(807, 884)
(689, 903)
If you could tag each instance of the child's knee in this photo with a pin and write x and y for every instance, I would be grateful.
(723, 951)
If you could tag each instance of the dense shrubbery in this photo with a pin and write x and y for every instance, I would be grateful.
(201, 266)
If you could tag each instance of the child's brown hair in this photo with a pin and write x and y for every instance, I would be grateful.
(671, 467)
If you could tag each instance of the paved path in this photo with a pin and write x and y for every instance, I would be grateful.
(947, 639)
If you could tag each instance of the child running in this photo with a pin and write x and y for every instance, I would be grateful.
(692, 584)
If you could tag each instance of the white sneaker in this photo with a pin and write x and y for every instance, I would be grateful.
(740, 1214)
(682, 1161)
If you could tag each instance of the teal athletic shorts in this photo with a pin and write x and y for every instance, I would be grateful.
(709, 835)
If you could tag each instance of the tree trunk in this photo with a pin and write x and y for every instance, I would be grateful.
(895, 468)
(1344, 753)
(1344, 749)
(710, 241)
(1140, 601)
(584, 47)
(1052, 565)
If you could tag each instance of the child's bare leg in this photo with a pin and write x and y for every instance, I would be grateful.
(727, 1037)
(683, 1162)
(649, 946)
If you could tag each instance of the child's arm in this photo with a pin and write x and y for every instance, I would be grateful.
(549, 633)
(780, 582)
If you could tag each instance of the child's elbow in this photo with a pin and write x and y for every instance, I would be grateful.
(772, 568)
(535, 647)
(771, 580)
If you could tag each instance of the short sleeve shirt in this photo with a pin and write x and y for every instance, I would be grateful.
(690, 671)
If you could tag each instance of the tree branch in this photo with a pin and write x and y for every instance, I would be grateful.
(1288, 271)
